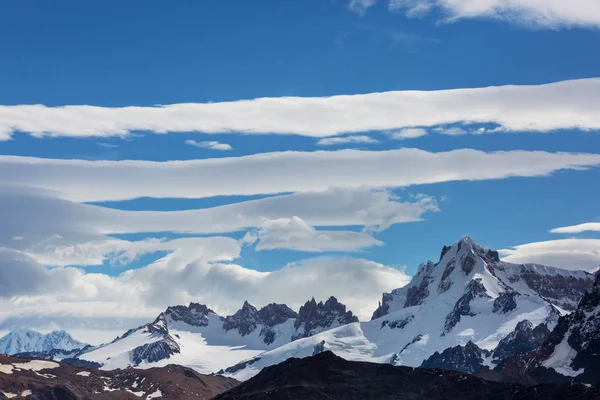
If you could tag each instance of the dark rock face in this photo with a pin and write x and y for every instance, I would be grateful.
(398, 324)
(275, 314)
(522, 340)
(565, 291)
(449, 268)
(417, 294)
(66, 382)
(319, 348)
(505, 303)
(314, 316)
(244, 320)
(248, 318)
(585, 331)
(384, 306)
(475, 289)
(580, 331)
(445, 249)
(195, 314)
(467, 359)
(326, 376)
(272, 315)
(155, 351)
(468, 262)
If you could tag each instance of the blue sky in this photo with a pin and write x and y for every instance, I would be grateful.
(134, 53)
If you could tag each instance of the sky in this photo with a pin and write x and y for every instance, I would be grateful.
(157, 153)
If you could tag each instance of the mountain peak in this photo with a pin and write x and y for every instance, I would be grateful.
(313, 316)
(24, 340)
(195, 314)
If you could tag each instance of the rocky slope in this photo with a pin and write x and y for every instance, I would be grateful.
(469, 295)
(470, 358)
(326, 376)
(49, 380)
(26, 340)
(197, 337)
(571, 353)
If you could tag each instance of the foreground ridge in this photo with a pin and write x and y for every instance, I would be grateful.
(327, 376)
(50, 380)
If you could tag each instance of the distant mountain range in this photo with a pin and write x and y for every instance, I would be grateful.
(468, 312)
(28, 341)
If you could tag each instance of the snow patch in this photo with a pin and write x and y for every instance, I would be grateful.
(6, 368)
(83, 373)
(36, 365)
(561, 359)
(154, 395)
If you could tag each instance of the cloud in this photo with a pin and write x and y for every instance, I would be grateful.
(69, 232)
(268, 173)
(452, 131)
(108, 145)
(572, 254)
(213, 145)
(295, 234)
(346, 139)
(68, 297)
(552, 14)
(361, 6)
(408, 133)
(586, 227)
(562, 105)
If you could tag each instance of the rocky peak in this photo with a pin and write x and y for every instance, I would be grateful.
(244, 320)
(466, 260)
(466, 359)
(195, 314)
(584, 335)
(522, 340)
(315, 317)
(25, 340)
(275, 314)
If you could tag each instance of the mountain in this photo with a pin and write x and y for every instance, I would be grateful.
(49, 380)
(570, 353)
(197, 337)
(26, 341)
(326, 376)
(469, 295)
(470, 358)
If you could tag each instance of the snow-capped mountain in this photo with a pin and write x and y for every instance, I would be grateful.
(28, 341)
(571, 350)
(470, 358)
(197, 337)
(468, 296)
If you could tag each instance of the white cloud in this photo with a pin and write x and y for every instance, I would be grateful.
(547, 13)
(68, 297)
(360, 6)
(408, 133)
(69, 233)
(81, 180)
(452, 131)
(108, 145)
(213, 145)
(586, 227)
(345, 140)
(573, 254)
(295, 234)
(562, 105)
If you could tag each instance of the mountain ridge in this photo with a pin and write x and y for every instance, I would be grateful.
(24, 340)
(468, 295)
